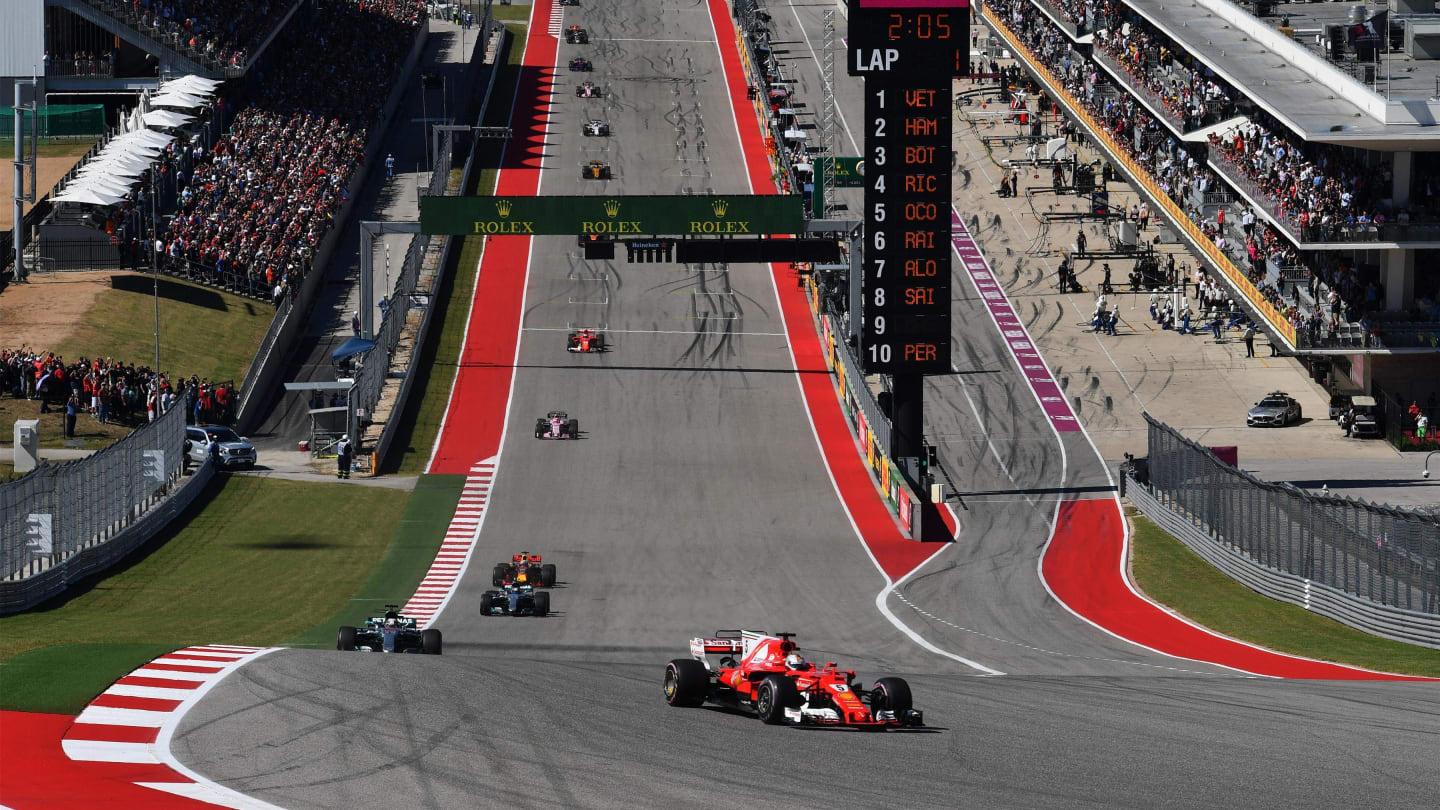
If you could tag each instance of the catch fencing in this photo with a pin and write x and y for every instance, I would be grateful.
(57, 512)
(370, 378)
(1381, 555)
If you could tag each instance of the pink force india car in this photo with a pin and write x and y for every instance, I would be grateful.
(557, 425)
(766, 675)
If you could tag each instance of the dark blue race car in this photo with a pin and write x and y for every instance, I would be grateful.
(515, 600)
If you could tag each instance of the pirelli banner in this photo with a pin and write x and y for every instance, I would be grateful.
(619, 215)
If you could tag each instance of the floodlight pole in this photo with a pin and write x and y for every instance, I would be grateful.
(18, 195)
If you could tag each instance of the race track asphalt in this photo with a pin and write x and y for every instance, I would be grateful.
(696, 500)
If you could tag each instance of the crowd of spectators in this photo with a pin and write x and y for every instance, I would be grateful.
(1314, 187)
(109, 390)
(1146, 56)
(257, 203)
(80, 63)
(1178, 171)
(218, 30)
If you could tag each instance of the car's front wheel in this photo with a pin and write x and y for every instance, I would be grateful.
(892, 694)
(430, 642)
(547, 575)
(687, 683)
(487, 604)
(346, 639)
(774, 695)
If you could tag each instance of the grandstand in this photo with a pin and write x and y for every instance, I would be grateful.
(1277, 146)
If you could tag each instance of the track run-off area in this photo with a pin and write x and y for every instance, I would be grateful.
(716, 484)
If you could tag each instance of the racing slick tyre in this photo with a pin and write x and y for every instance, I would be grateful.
(542, 604)
(687, 683)
(346, 639)
(572, 428)
(497, 577)
(892, 694)
(599, 343)
(547, 575)
(540, 428)
(430, 642)
(774, 695)
(532, 574)
(487, 604)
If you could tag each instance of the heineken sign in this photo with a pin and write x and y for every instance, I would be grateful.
(668, 215)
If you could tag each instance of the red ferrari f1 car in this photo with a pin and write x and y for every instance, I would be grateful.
(586, 341)
(524, 569)
(557, 425)
(772, 680)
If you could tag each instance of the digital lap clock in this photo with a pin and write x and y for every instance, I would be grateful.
(928, 36)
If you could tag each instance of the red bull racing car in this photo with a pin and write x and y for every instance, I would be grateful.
(586, 341)
(765, 674)
(557, 425)
(524, 569)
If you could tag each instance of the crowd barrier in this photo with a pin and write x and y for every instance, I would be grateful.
(1273, 317)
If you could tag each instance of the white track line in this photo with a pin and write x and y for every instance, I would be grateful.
(80, 746)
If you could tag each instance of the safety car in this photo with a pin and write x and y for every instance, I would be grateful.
(391, 633)
(557, 425)
(765, 674)
(1277, 409)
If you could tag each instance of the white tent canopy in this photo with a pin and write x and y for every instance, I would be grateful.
(87, 196)
(192, 84)
(165, 118)
(148, 137)
(178, 100)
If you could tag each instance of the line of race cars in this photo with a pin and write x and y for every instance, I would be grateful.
(744, 670)
(514, 594)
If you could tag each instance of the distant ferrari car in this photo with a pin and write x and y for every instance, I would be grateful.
(515, 600)
(586, 341)
(595, 170)
(581, 65)
(1277, 409)
(588, 90)
(524, 569)
(391, 633)
(557, 425)
(772, 680)
(575, 35)
(596, 127)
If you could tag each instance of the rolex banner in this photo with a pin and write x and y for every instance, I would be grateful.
(657, 215)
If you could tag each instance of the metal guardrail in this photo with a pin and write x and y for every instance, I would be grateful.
(1412, 627)
(1381, 557)
(58, 511)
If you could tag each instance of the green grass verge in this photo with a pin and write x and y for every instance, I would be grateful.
(203, 331)
(53, 147)
(254, 561)
(89, 433)
(418, 537)
(511, 12)
(1175, 576)
(440, 355)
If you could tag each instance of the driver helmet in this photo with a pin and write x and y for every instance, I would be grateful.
(794, 661)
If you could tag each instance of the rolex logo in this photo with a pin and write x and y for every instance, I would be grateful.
(612, 208)
(503, 207)
(720, 207)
